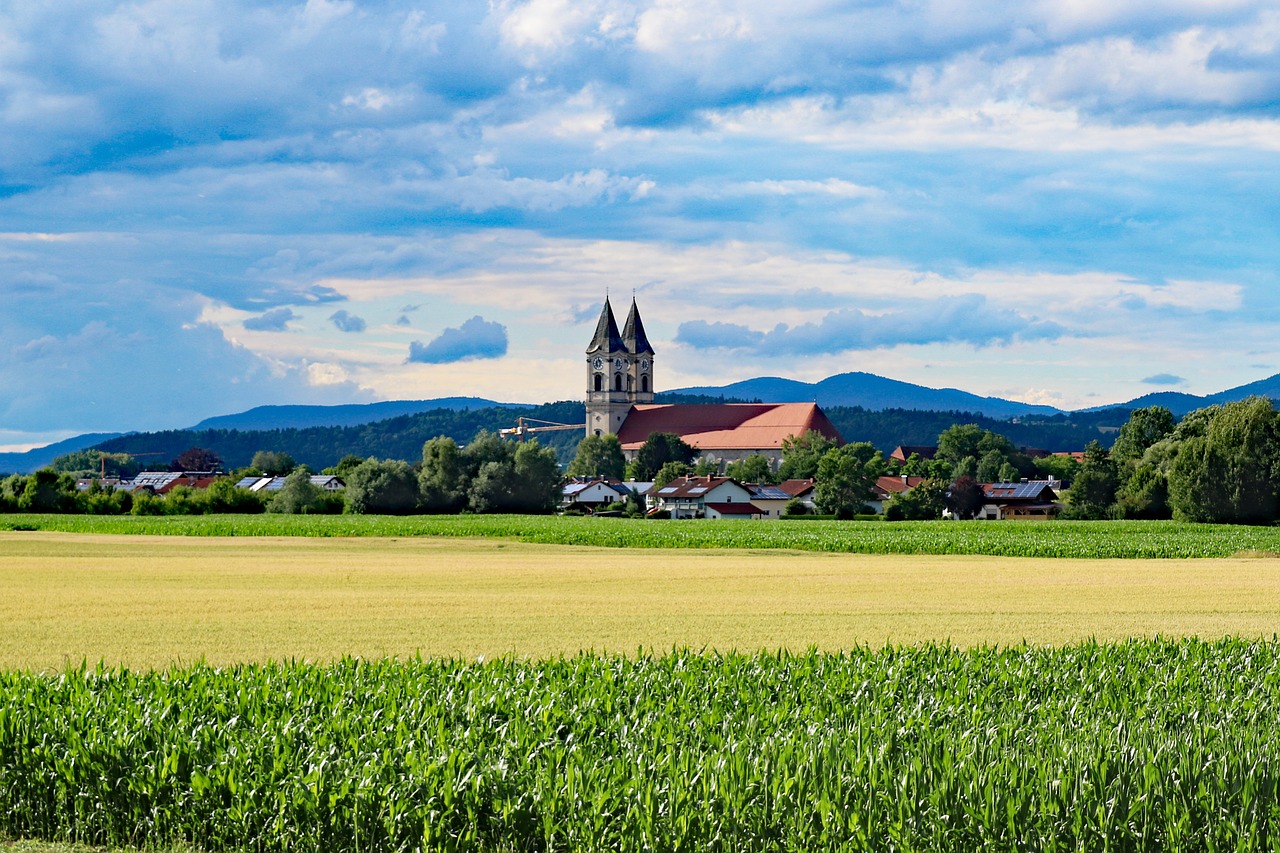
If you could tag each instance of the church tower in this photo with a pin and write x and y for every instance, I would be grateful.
(619, 371)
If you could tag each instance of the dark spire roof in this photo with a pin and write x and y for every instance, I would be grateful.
(606, 338)
(633, 333)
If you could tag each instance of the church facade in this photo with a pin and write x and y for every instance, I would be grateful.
(620, 400)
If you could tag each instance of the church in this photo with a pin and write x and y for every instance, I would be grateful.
(620, 394)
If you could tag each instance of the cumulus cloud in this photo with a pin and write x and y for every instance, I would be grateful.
(477, 338)
(275, 320)
(345, 321)
(962, 319)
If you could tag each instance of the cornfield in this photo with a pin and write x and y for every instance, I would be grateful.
(1143, 745)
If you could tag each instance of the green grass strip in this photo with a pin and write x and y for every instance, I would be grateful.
(1090, 540)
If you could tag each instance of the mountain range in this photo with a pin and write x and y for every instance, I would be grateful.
(865, 390)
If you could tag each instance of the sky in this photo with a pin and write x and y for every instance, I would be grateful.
(209, 206)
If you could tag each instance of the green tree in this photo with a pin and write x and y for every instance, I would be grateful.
(923, 502)
(1145, 494)
(385, 487)
(801, 455)
(753, 469)
(960, 441)
(1143, 429)
(598, 456)
(989, 466)
(538, 479)
(298, 496)
(845, 478)
(48, 491)
(669, 472)
(1093, 492)
(1062, 468)
(1231, 471)
(273, 463)
(345, 466)
(223, 496)
(659, 449)
(444, 479)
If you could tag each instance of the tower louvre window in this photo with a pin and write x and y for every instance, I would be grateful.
(599, 382)
(617, 381)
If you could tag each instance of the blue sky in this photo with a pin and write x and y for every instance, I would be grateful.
(207, 206)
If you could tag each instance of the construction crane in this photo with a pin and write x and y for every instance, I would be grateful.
(522, 428)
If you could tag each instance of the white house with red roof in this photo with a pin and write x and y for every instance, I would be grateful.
(704, 497)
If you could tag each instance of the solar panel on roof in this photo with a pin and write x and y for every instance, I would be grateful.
(666, 490)
(697, 490)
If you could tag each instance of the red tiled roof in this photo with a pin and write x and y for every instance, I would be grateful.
(895, 485)
(796, 488)
(725, 426)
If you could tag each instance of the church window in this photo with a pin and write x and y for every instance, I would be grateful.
(644, 383)
(617, 381)
(599, 382)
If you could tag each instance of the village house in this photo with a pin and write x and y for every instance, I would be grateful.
(592, 493)
(1027, 500)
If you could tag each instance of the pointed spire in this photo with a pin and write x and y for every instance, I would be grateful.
(606, 338)
(633, 333)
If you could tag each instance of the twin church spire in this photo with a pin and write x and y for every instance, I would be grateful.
(619, 370)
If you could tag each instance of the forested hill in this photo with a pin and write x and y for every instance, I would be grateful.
(402, 437)
(320, 447)
(888, 428)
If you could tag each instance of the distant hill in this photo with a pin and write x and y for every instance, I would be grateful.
(36, 458)
(868, 391)
(1180, 403)
(400, 437)
(301, 417)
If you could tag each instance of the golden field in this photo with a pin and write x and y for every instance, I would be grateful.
(143, 601)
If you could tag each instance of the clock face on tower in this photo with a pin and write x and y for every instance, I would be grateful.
(644, 365)
(598, 364)
(617, 364)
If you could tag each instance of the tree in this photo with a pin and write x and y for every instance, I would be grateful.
(1093, 492)
(1145, 494)
(960, 441)
(196, 459)
(387, 487)
(538, 479)
(48, 491)
(965, 498)
(345, 466)
(1143, 429)
(298, 496)
(659, 449)
(444, 479)
(273, 463)
(753, 469)
(1229, 468)
(669, 472)
(924, 502)
(801, 455)
(598, 456)
(989, 466)
(845, 478)
(223, 496)
(1063, 468)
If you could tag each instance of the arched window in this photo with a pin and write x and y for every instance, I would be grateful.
(644, 383)
(599, 382)
(617, 381)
